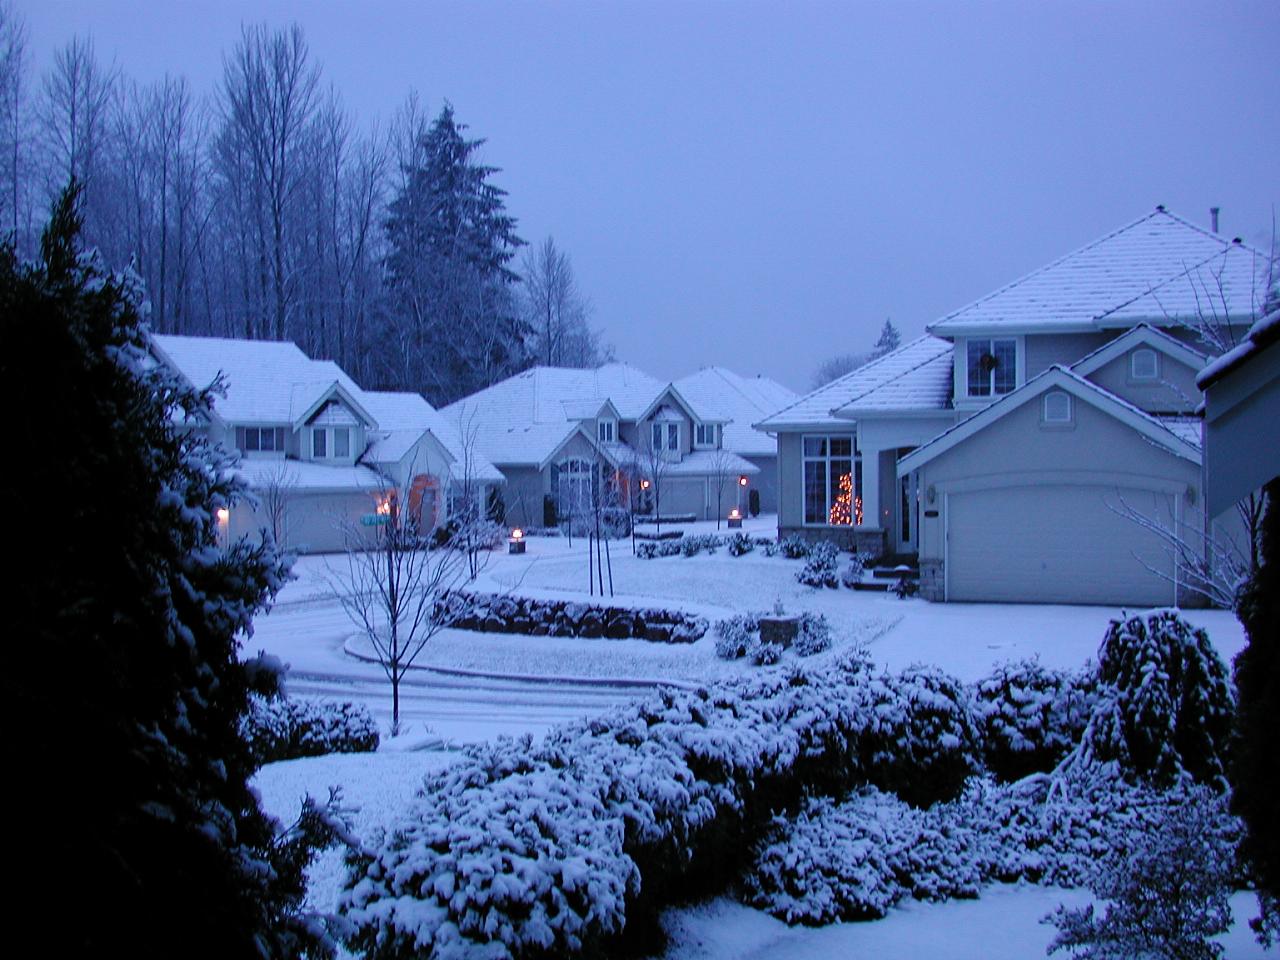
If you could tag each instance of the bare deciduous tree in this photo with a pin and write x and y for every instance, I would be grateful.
(557, 312)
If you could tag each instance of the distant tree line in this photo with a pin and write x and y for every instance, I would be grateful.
(265, 209)
(838, 366)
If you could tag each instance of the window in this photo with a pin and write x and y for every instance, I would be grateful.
(704, 434)
(265, 439)
(1144, 365)
(992, 366)
(341, 442)
(1057, 407)
(574, 482)
(832, 481)
(319, 446)
(666, 436)
(605, 431)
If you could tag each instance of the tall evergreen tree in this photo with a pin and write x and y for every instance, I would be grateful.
(450, 290)
(889, 340)
(135, 832)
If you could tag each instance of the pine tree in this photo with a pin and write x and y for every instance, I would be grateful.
(136, 833)
(889, 340)
(450, 287)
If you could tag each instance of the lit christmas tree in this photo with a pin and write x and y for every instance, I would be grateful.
(842, 507)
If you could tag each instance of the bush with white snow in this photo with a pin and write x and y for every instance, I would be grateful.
(286, 728)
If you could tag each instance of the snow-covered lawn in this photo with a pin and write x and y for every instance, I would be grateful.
(476, 686)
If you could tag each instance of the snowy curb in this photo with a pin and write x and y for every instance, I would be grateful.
(637, 683)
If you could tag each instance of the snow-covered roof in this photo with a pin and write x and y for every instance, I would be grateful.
(1185, 428)
(404, 417)
(267, 381)
(738, 402)
(1160, 268)
(1262, 334)
(1168, 432)
(305, 475)
(916, 376)
(708, 463)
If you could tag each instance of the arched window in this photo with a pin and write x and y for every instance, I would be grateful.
(574, 483)
(1144, 365)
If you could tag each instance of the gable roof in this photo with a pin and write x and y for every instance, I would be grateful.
(1170, 436)
(1141, 334)
(1159, 268)
(916, 376)
(737, 402)
(402, 420)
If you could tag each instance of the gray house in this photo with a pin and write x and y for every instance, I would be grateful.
(318, 452)
(1013, 449)
(566, 439)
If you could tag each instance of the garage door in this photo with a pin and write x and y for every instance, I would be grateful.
(1056, 544)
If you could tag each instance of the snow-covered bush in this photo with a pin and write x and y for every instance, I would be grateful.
(854, 860)
(905, 587)
(1164, 899)
(739, 543)
(691, 546)
(501, 613)
(814, 636)
(533, 850)
(1030, 716)
(1165, 703)
(923, 743)
(768, 545)
(649, 549)
(852, 574)
(735, 635)
(794, 547)
(765, 654)
(821, 568)
(286, 728)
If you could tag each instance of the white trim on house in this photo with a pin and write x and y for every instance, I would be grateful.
(339, 391)
(1062, 378)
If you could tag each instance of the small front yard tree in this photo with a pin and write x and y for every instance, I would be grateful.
(130, 812)
(395, 584)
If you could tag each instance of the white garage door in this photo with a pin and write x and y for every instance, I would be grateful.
(1056, 544)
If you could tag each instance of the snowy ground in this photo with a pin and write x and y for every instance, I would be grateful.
(476, 686)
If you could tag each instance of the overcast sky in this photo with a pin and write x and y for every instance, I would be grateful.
(760, 185)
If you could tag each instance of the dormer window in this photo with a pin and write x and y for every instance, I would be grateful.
(606, 431)
(666, 436)
(992, 367)
(319, 443)
(330, 443)
(706, 434)
(1144, 364)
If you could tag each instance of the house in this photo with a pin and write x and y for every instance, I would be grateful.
(566, 439)
(1016, 449)
(1242, 416)
(318, 452)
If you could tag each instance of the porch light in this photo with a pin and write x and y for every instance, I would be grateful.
(644, 484)
(384, 507)
(742, 481)
(223, 514)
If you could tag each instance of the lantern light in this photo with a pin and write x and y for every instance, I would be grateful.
(734, 514)
(517, 534)
(223, 514)
(742, 481)
(644, 484)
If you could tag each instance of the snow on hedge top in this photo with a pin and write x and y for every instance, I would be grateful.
(1160, 268)
(916, 376)
(739, 402)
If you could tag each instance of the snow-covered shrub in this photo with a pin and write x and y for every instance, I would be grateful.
(285, 728)
(1165, 702)
(735, 635)
(1165, 899)
(857, 858)
(739, 543)
(533, 850)
(906, 587)
(821, 568)
(852, 574)
(854, 860)
(501, 613)
(923, 743)
(768, 545)
(691, 546)
(765, 654)
(814, 636)
(1030, 716)
(794, 547)
(649, 549)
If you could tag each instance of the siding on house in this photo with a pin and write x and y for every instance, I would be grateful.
(1173, 391)
(1045, 349)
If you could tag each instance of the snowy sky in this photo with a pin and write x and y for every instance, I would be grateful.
(761, 184)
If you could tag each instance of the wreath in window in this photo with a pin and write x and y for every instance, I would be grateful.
(988, 362)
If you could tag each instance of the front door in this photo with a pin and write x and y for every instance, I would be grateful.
(906, 536)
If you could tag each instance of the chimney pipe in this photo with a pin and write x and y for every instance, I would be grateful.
(1213, 218)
